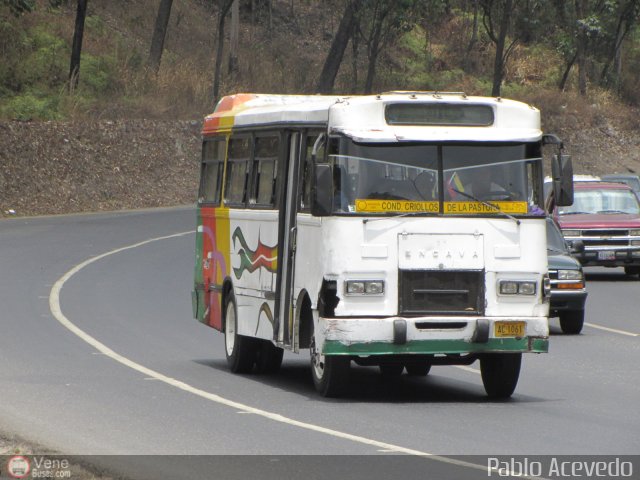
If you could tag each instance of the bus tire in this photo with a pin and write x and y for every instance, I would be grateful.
(420, 369)
(500, 372)
(240, 350)
(330, 373)
(571, 322)
(269, 357)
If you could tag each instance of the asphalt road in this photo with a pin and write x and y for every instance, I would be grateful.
(99, 355)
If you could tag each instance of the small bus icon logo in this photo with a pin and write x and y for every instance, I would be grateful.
(18, 466)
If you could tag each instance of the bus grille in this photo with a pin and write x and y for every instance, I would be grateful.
(439, 292)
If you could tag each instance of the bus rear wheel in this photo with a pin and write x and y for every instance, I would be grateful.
(240, 350)
(500, 373)
(330, 373)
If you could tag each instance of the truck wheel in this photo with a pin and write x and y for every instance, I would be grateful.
(420, 369)
(330, 373)
(269, 357)
(240, 350)
(571, 322)
(500, 372)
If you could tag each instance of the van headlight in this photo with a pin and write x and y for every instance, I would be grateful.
(364, 287)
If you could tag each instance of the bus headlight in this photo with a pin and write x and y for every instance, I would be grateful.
(364, 287)
(516, 287)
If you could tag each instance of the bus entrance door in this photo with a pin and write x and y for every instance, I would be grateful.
(284, 309)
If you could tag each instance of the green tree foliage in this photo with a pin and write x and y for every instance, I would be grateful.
(380, 24)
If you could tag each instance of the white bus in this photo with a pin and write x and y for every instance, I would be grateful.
(401, 230)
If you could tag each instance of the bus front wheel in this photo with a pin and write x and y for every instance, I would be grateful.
(240, 350)
(500, 372)
(330, 372)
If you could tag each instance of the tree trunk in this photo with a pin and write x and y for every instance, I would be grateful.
(336, 52)
(498, 64)
(76, 49)
(565, 76)
(371, 73)
(224, 9)
(474, 38)
(235, 34)
(582, 48)
(159, 34)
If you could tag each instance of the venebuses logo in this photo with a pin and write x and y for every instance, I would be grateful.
(18, 466)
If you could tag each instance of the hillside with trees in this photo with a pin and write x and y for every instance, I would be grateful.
(80, 78)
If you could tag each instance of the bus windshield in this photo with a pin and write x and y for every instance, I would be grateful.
(435, 179)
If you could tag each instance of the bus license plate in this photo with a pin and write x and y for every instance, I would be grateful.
(607, 255)
(509, 329)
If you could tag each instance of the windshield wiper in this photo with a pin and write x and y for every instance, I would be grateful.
(575, 213)
(488, 205)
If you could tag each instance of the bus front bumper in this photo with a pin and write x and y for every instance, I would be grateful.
(431, 336)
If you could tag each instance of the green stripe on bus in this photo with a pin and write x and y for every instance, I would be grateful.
(535, 345)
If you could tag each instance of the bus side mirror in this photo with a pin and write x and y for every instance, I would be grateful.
(322, 190)
(562, 178)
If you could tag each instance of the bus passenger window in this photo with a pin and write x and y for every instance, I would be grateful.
(265, 167)
(212, 161)
(237, 171)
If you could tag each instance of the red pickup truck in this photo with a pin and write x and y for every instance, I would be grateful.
(605, 217)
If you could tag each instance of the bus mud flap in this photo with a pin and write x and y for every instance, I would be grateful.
(481, 334)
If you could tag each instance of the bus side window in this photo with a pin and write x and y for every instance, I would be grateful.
(237, 171)
(211, 172)
(265, 166)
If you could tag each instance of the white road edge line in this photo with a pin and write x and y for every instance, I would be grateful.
(612, 330)
(54, 305)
